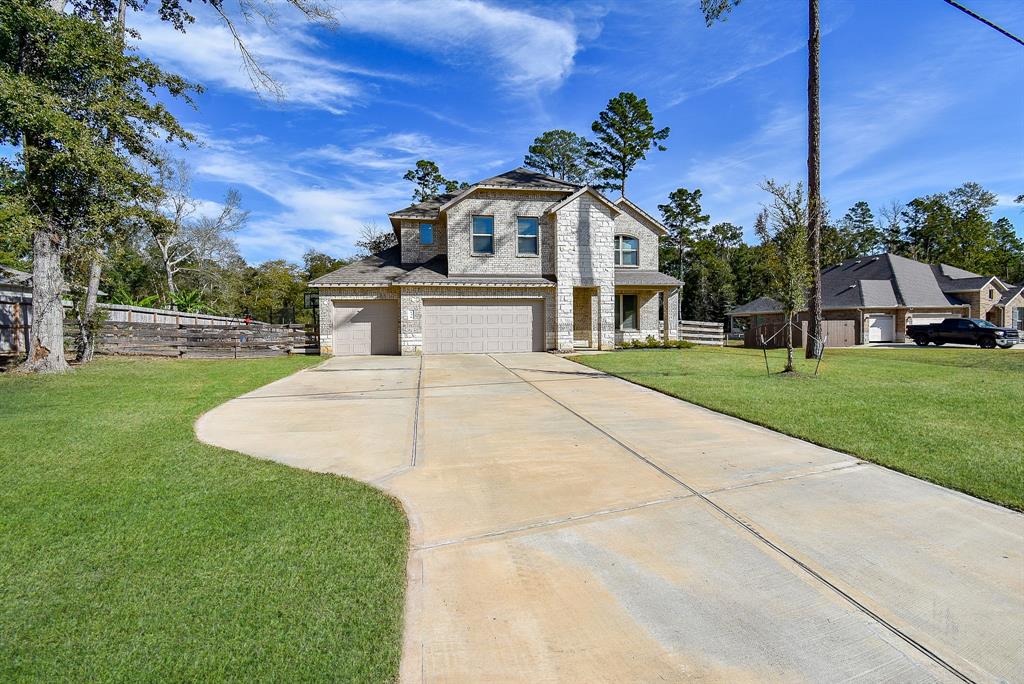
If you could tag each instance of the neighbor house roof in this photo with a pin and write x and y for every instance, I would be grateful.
(642, 215)
(1010, 294)
(12, 276)
(883, 281)
(629, 276)
(953, 279)
(761, 305)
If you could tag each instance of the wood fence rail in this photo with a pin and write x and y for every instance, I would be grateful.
(197, 341)
(706, 333)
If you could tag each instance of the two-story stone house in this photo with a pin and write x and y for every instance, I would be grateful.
(517, 262)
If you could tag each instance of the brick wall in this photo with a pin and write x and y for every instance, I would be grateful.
(627, 224)
(415, 253)
(506, 207)
(647, 302)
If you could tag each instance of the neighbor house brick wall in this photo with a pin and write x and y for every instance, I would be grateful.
(506, 207)
(327, 297)
(627, 224)
(415, 253)
(583, 232)
(411, 310)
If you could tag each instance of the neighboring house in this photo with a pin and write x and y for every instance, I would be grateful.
(883, 294)
(517, 262)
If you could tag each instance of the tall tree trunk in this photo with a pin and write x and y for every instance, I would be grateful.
(814, 175)
(87, 316)
(46, 339)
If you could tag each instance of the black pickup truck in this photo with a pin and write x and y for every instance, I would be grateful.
(964, 331)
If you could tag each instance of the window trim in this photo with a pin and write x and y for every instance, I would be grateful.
(619, 309)
(473, 235)
(430, 226)
(535, 237)
(618, 252)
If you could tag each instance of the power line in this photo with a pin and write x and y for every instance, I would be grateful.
(983, 20)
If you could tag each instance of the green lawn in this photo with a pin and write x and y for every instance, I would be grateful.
(129, 551)
(952, 416)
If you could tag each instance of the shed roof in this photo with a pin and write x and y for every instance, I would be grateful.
(635, 277)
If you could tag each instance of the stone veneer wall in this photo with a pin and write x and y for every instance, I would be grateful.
(505, 207)
(328, 294)
(649, 325)
(584, 231)
(415, 253)
(627, 224)
(411, 309)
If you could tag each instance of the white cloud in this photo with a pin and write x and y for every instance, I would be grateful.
(527, 51)
(206, 53)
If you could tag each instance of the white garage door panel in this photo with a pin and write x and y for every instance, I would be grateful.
(880, 328)
(365, 327)
(482, 325)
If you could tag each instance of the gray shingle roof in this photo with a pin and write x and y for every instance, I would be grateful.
(13, 276)
(628, 276)
(376, 269)
(760, 305)
(435, 272)
(885, 280)
(953, 279)
(1010, 294)
(527, 179)
(425, 209)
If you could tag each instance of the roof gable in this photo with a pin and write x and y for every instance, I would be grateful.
(641, 215)
(516, 179)
(585, 190)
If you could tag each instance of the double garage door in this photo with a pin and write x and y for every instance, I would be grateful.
(450, 326)
(479, 326)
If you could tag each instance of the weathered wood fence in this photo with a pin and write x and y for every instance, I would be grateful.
(702, 332)
(841, 333)
(198, 341)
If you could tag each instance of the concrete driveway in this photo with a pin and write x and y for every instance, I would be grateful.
(568, 526)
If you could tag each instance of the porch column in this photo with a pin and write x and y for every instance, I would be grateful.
(606, 310)
(672, 314)
(564, 318)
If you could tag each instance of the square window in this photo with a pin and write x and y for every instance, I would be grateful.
(528, 236)
(426, 233)
(483, 235)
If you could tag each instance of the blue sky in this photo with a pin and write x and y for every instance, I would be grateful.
(917, 98)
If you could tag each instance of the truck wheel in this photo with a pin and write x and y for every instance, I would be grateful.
(939, 344)
(921, 341)
(987, 343)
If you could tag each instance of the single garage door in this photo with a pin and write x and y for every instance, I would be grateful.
(478, 326)
(880, 328)
(365, 327)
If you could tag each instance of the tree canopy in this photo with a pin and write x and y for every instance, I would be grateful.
(562, 154)
(430, 182)
(625, 134)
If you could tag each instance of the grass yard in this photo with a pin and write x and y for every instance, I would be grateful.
(951, 416)
(130, 551)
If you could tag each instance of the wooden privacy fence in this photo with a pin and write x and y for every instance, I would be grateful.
(198, 341)
(840, 333)
(702, 332)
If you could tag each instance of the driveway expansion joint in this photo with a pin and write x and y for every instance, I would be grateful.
(416, 416)
(896, 631)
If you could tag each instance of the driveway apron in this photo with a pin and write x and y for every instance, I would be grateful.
(568, 526)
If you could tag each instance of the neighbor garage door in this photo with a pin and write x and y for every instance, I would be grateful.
(477, 326)
(880, 328)
(365, 327)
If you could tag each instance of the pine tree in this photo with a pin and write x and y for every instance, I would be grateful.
(625, 133)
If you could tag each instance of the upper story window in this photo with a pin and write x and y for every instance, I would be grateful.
(426, 233)
(527, 236)
(991, 294)
(627, 251)
(483, 235)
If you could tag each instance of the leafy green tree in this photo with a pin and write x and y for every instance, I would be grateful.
(860, 225)
(683, 218)
(784, 239)
(316, 264)
(562, 154)
(625, 133)
(1008, 252)
(430, 182)
(82, 112)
